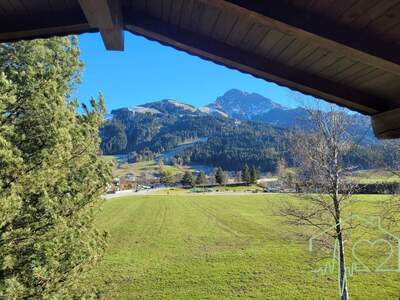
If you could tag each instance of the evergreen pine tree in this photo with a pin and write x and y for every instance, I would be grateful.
(51, 176)
(246, 174)
(187, 179)
(220, 176)
(201, 178)
(253, 175)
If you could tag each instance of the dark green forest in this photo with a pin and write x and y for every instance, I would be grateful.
(229, 143)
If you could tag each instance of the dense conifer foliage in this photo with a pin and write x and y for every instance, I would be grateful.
(228, 143)
(51, 176)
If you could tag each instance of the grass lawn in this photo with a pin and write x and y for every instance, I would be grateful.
(145, 166)
(375, 176)
(199, 190)
(217, 247)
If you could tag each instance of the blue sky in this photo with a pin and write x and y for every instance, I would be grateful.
(148, 71)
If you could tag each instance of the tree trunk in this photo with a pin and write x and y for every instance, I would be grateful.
(344, 293)
(343, 290)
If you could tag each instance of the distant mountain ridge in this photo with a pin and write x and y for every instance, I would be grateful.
(242, 105)
(171, 106)
(238, 128)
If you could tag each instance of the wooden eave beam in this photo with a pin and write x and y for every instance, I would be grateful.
(313, 27)
(261, 67)
(386, 125)
(106, 16)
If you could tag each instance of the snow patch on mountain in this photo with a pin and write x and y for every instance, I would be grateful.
(143, 110)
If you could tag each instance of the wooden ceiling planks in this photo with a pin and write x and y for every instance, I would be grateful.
(324, 62)
(208, 20)
(363, 79)
(223, 25)
(309, 61)
(336, 9)
(335, 69)
(291, 50)
(357, 10)
(176, 12)
(254, 37)
(155, 8)
(186, 13)
(69, 4)
(385, 85)
(10, 8)
(196, 16)
(386, 21)
(281, 46)
(271, 39)
(356, 68)
(320, 6)
(374, 12)
(393, 34)
(56, 5)
(239, 30)
(301, 55)
(139, 5)
(26, 8)
(166, 10)
(34, 7)
(3, 10)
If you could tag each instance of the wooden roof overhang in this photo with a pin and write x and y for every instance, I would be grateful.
(344, 51)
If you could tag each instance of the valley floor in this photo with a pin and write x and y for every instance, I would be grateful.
(217, 247)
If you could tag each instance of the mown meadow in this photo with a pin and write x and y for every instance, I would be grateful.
(218, 247)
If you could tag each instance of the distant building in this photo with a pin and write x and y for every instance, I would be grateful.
(127, 182)
(129, 177)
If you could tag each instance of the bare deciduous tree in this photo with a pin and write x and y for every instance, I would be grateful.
(325, 191)
(391, 163)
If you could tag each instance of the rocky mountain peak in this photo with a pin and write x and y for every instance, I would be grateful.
(243, 105)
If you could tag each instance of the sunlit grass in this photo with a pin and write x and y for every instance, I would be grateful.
(375, 176)
(145, 166)
(217, 247)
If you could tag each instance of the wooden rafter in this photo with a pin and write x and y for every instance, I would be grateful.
(106, 15)
(261, 67)
(357, 45)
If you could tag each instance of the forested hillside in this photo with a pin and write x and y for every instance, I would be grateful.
(145, 131)
(230, 143)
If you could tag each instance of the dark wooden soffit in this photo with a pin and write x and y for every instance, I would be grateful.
(43, 25)
(358, 45)
(104, 16)
(261, 67)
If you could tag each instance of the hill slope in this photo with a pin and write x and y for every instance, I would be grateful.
(239, 128)
(223, 142)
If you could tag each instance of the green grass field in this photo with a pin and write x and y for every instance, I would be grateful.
(145, 166)
(375, 176)
(216, 247)
(217, 189)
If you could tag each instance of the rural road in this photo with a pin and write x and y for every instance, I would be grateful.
(151, 192)
(130, 193)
